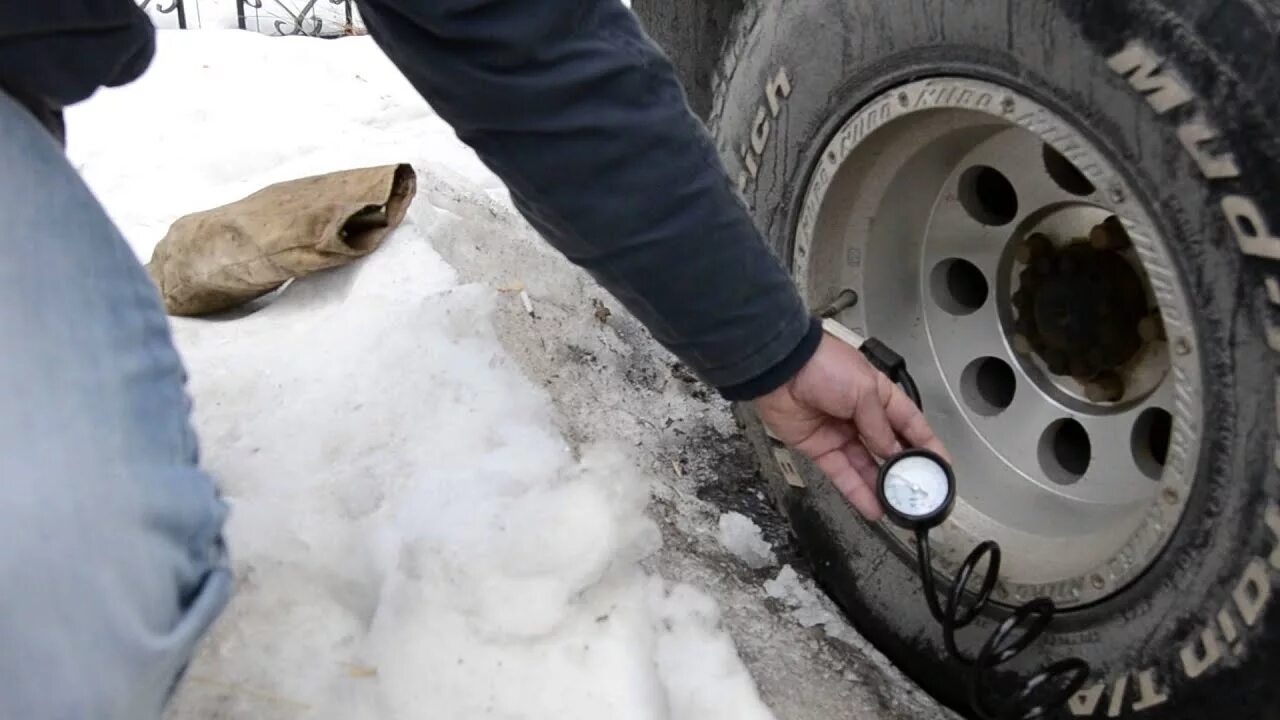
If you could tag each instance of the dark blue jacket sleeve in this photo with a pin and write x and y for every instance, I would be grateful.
(55, 53)
(582, 117)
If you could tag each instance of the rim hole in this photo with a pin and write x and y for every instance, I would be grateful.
(1065, 451)
(1150, 441)
(958, 286)
(988, 385)
(988, 196)
(1064, 173)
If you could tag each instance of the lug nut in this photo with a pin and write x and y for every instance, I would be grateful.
(1057, 361)
(1107, 387)
(1036, 245)
(1081, 369)
(1098, 237)
(1022, 325)
(1109, 235)
(1151, 328)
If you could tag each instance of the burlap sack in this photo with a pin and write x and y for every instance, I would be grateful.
(217, 259)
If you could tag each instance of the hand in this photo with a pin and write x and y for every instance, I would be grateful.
(844, 414)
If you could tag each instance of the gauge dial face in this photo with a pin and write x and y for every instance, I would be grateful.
(916, 486)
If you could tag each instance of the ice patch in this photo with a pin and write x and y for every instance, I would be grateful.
(806, 606)
(741, 536)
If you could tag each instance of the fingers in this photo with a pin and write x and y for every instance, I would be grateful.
(862, 463)
(851, 483)
(910, 424)
(872, 420)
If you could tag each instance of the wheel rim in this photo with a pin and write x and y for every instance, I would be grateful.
(997, 250)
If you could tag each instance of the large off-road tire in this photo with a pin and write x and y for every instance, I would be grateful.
(1164, 114)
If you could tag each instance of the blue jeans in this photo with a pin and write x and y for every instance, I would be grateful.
(111, 559)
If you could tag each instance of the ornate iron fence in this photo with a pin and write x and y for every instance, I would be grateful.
(286, 17)
(295, 21)
(175, 5)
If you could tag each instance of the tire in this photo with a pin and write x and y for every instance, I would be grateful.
(692, 34)
(1197, 635)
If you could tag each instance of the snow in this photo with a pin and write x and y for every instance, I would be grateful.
(412, 536)
(807, 607)
(742, 537)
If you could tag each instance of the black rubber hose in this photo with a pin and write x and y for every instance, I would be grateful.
(1036, 696)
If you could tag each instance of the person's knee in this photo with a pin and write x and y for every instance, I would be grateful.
(111, 557)
(112, 573)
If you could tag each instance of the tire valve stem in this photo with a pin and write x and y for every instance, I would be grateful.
(1106, 387)
(845, 300)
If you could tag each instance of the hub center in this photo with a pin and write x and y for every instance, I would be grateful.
(1080, 308)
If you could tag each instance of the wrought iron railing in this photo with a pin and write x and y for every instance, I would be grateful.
(175, 5)
(295, 21)
(286, 17)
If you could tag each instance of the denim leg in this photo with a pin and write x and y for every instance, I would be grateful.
(111, 559)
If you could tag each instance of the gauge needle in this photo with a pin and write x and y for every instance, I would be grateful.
(915, 489)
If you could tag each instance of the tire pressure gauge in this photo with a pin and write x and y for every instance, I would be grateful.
(917, 489)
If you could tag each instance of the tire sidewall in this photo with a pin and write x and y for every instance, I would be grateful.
(837, 56)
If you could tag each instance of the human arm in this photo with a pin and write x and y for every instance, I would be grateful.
(584, 120)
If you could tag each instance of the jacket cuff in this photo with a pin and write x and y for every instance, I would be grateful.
(781, 372)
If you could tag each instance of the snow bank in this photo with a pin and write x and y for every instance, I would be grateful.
(411, 537)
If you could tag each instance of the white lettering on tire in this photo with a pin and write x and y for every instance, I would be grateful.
(776, 91)
(1200, 654)
(1250, 228)
(1193, 135)
(1149, 693)
(1162, 86)
(1214, 642)
(1224, 634)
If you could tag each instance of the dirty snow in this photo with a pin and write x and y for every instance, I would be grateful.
(742, 537)
(806, 606)
(442, 506)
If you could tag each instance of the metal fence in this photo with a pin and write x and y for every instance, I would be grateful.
(285, 18)
(175, 5)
